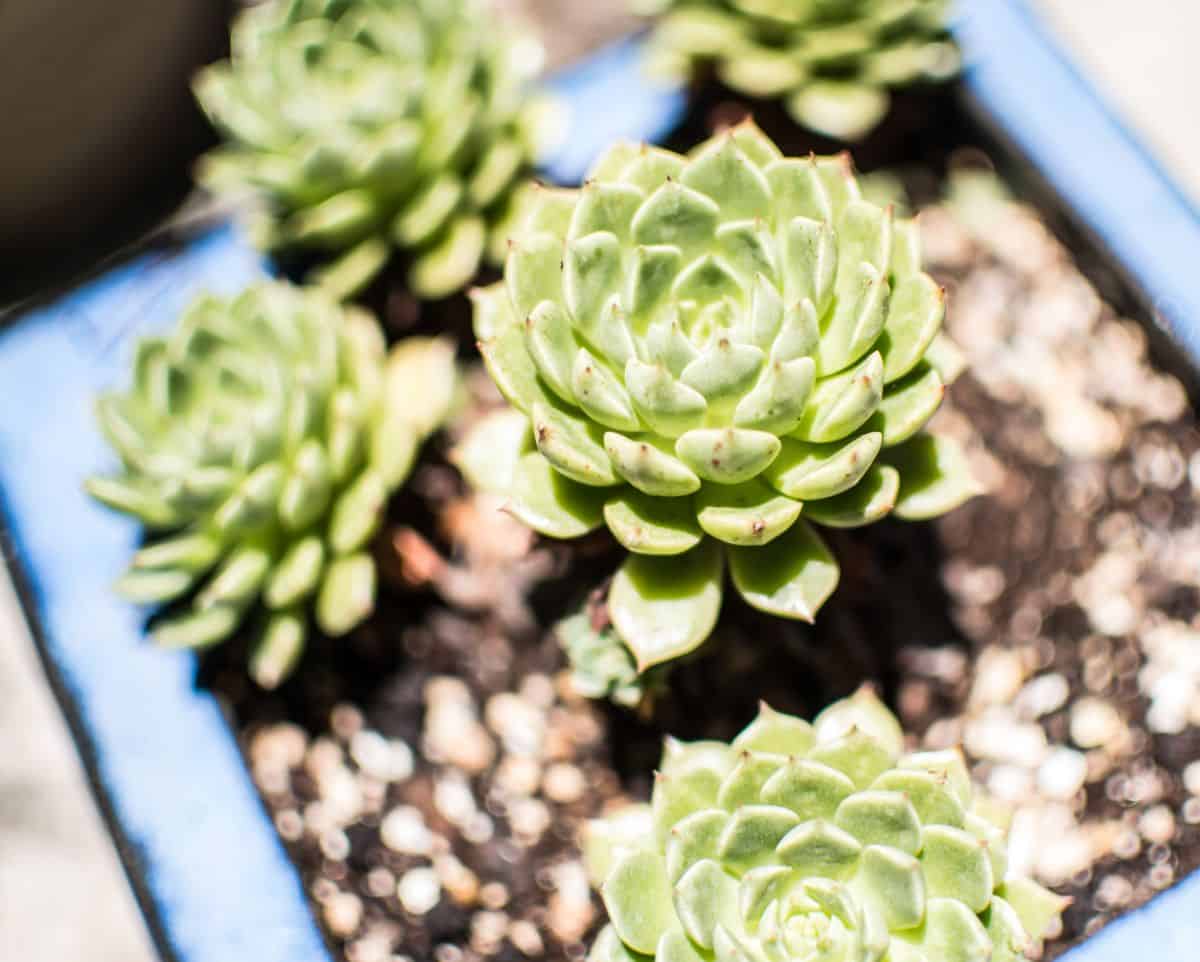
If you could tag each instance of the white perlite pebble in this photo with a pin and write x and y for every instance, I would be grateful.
(520, 725)
(1010, 783)
(342, 796)
(1157, 825)
(1191, 778)
(453, 798)
(389, 760)
(1171, 677)
(1062, 774)
(997, 736)
(998, 677)
(404, 830)
(1094, 723)
(343, 912)
(1042, 696)
(419, 890)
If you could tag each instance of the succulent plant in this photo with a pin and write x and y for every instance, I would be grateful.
(707, 351)
(832, 60)
(601, 665)
(811, 842)
(259, 442)
(363, 125)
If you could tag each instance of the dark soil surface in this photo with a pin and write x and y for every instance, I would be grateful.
(429, 772)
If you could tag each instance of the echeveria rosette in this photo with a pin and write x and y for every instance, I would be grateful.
(360, 126)
(259, 442)
(833, 61)
(811, 843)
(711, 354)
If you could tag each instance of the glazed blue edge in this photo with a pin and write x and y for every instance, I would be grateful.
(166, 763)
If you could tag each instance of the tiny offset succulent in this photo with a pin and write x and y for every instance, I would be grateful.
(601, 665)
(363, 125)
(709, 353)
(832, 60)
(259, 442)
(811, 843)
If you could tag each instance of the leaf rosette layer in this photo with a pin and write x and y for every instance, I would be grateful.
(811, 843)
(362, 126)
(714, 355)
(259, 442)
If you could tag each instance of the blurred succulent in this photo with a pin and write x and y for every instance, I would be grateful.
(359, 125)
(601, 665)
(832, 60)
(260, 441)
(703, 348)
(811, 842)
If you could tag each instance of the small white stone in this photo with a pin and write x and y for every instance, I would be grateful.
(520, 725)
(1010, 783)
(525, 937)
(1114, 891)
(343, 912)
(1191, 778)
(342, 795)
(419, 890)
(529, 818)
(1062, 774)
(390, 760)
(1094, 723)
(453, 798)
(518, 775)
(404, 830)
(998, 677)
(1042, 696)
(479, 828)
(564, 783)
(997, 736)
(1157, 825)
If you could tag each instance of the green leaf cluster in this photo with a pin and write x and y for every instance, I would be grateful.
(833, 61)
(259, 442)
(811, 842)
(359, 126)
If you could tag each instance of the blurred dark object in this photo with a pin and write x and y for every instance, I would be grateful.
(98, 126)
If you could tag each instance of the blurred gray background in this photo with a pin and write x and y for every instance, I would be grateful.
(62, 892)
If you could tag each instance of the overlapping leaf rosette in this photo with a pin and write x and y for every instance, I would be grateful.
(712, 355)
(811, 843)
(833, 61)
(359, 126)
(259, 442)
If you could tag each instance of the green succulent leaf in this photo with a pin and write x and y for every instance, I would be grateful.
(867, 502)
(487, 456)
(652, 526)
(749, 513)
(934, 477)
(665, 607)
(637, 895)
(552, 503)
(790, 577)
(358, 127)
(263, 436)
(811, 472)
